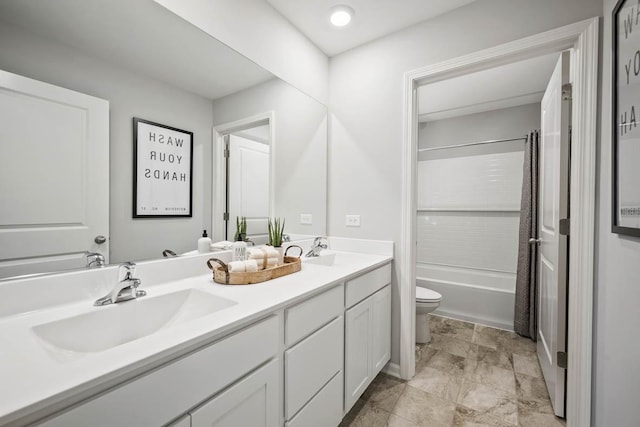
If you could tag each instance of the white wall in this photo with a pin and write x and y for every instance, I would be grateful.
(257, 31)
(130, 95)
(300, 149)
(366, 102)
(616, 385)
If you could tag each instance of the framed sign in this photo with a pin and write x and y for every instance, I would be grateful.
(162, 170)
(625, 154)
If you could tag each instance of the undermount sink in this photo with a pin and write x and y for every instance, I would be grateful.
(117, 324)
(324, 258)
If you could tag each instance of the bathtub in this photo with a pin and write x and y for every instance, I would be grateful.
(479, 296)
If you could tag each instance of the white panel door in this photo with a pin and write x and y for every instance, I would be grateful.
(248, 186)
(54, 176)
(252, 401)
(553, 246)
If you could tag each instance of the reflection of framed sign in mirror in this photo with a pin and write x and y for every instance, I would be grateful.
(626, 113)
(162, 170)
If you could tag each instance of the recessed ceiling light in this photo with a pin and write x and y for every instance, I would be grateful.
(341, 15)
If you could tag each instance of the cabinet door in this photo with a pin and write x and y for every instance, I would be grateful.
(358, 361)
(252, 401)
(381, 337)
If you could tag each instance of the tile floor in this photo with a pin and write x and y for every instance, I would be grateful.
(468, 375)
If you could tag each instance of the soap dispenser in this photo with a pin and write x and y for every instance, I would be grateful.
(204, 243)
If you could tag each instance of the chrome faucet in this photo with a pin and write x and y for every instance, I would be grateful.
(95, 260)
(125, 289)
(319, 243)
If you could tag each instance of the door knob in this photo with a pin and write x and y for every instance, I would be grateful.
(533, 241)
(100, 239)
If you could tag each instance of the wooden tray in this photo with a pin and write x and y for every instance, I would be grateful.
(221, 272)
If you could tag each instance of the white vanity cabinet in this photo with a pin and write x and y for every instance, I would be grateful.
(252, 401)
(367, 331)
(314, 338)
(156, 398)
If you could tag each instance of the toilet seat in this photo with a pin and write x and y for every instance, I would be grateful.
(427, 295)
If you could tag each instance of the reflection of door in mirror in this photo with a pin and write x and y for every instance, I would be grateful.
(247, 163)
(51, 217)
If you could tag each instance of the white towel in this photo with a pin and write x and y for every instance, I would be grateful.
(259, 253)
(237, 267)
(255, 253)
(251, 265)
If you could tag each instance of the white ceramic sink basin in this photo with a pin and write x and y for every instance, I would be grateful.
(110, 326)
(325, 258)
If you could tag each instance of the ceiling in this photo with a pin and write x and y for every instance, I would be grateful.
(510, 85)
(133, 34)
(373, 19)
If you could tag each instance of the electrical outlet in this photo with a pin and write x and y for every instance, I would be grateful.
(352, 221)
(306, 219)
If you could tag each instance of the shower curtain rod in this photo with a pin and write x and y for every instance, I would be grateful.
(491, 141)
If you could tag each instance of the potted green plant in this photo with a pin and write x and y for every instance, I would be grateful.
(241, 229)
(276, 230)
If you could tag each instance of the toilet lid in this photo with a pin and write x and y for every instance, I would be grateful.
(424, 294)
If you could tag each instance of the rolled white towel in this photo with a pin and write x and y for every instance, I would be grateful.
(251, 265)
(255, 253)
(270, 251)
(237, 267)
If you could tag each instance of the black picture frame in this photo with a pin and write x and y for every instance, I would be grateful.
(625, 108)
(162, 179)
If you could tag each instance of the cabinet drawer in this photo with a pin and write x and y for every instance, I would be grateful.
(325, 409)
(311, 315)
(311, 364)
(365, 285)
(155, 398)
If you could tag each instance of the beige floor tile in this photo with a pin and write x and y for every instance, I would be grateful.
(384, 391)
(438, 383)
(424, 409)
(533, 414)
(425, 355)
(527, 365)
(510, 341)
(490, 401)
(396, 421)
(487, 336)
(493, 376)
(500, 358)
(450, 345)
(367, 415)
(447, 362)
(531, 388)
(451, 328)
(466, 417)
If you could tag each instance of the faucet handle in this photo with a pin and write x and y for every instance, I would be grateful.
(128, 268)
(94, 259)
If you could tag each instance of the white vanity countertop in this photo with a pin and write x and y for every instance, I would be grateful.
(36, 381)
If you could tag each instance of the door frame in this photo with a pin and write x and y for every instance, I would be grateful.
(218, 177)
(582, 37)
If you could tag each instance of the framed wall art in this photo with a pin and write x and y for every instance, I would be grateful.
(162, 170)
(625, 154)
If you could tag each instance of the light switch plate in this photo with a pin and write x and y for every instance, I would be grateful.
(352, 221)
(306, 219)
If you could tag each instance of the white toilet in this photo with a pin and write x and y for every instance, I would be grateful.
(426, 301)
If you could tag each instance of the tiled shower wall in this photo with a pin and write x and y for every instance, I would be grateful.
(469, 213)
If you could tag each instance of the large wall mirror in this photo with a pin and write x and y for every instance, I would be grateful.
(151, 64)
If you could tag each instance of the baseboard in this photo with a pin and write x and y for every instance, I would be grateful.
(392, 369)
